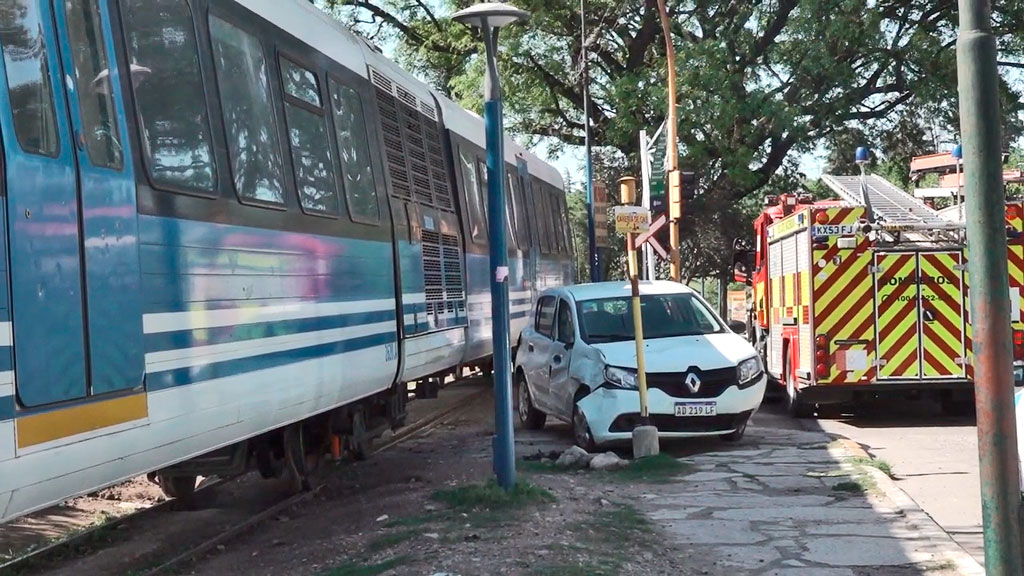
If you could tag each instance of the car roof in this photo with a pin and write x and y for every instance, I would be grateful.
(598, 290)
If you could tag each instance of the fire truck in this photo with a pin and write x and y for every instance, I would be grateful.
(866, 294)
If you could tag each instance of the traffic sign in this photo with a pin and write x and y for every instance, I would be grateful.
(632, 219)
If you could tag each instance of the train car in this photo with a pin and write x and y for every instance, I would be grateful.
(232, 231)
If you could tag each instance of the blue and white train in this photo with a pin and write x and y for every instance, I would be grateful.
(232, 231)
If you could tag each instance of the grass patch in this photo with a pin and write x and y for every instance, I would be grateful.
(357, 569)
(388, 541)
(585, 569)
(414, 521)
(490, 497)
(858, 485)
(850, 486)
(606, 542)
(875, 463)
(654, 469)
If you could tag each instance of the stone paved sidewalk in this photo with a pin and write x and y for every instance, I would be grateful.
(796, 503)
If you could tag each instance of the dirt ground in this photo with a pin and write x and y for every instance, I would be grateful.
(419, 508)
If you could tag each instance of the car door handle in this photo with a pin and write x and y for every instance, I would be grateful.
(529, 347)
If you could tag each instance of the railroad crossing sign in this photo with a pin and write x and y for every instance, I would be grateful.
(632, 219)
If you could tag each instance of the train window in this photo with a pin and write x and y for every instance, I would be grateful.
(515, 190)
(547, 215)
(312, 159)
(28, 78)
(481, 168)
(510, 211)
(300, 83)
(531, 212)
(253, 140)
(470, 187)
(537, 206)
(564, 221)
(171, 104)
(553, 218)
(100, 132)
(354, 152)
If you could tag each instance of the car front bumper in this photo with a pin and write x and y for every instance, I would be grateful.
(613, 413)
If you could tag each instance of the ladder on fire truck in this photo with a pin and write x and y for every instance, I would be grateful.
(892, 209)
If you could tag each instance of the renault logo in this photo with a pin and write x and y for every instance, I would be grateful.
(693, 383)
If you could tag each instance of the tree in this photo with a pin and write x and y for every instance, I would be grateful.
(758, 81)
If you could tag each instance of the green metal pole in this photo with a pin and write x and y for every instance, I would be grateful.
(990, 303)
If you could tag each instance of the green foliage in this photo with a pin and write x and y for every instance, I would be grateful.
(490, 497)
(359, 569)
(758, 84)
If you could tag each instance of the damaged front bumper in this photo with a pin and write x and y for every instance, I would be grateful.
(613, 412)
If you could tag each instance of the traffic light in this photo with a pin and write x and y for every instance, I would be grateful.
(687, 182)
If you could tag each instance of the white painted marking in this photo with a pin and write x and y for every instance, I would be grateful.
(6, 440)
(6, 334)
(185, 357)
(6, 389)
(199, 319)
(420, 298)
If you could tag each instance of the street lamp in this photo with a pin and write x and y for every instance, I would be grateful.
(489, 17)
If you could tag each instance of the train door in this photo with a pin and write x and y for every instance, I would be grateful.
(70, 207)
(527, 230)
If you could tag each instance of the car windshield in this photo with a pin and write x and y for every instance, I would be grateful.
(664, 316)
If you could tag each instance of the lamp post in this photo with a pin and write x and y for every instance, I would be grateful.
(490, 17)
(592, 250)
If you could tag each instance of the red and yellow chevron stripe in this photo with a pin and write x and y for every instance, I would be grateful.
(843, 299)
(942, 317)
(898, 338)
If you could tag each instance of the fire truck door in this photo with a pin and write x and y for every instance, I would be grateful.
(942, 315)
(897, 318)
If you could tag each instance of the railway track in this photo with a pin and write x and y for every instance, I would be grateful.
(23, 564)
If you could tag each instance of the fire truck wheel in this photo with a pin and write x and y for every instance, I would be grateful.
(795, 407)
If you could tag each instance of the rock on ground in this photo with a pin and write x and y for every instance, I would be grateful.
(608, 461)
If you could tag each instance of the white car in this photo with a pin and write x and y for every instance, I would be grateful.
(577, 363)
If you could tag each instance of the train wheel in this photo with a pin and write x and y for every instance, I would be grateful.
(359, 442)
(304, 454)
(180, 488)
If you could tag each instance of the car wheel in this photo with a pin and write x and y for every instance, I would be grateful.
(736, 435)
(581, 430)
(795, 407)
(530, 417)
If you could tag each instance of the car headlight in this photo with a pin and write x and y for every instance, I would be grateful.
(621, 378)
(749, 371)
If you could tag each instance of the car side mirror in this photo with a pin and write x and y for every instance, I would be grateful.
(738, 327)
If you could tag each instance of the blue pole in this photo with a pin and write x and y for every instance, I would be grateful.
(504, 441)
(592, 250)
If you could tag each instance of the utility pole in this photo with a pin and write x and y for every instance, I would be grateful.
(978, 80)
(592, 250)
(645, 436)
(675, 200)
